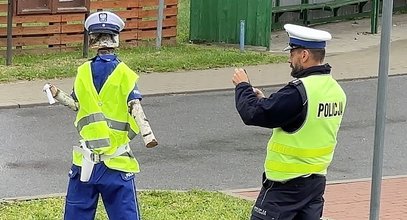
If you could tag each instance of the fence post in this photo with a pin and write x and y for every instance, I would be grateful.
(271, 25)
(85, 51)
(160, 24)
(242, 37)
(9, 55)
(374, 16)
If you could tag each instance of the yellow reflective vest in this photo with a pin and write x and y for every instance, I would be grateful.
(103, 119)
(310, 149)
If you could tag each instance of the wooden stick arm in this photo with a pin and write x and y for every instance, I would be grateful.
(142, 121)
(66, 100)
(60, 96)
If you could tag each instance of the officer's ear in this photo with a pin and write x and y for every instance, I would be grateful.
(305, 55)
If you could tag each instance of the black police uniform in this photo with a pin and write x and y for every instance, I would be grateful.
(286, 109)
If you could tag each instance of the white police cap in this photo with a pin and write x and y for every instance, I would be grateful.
(305, 37)
(104, 22)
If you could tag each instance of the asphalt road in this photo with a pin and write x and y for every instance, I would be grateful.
(203, 143)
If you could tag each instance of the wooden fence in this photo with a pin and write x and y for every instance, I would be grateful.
(61, 31)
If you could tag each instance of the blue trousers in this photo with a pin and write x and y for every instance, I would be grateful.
(118, 191)
(298, 199)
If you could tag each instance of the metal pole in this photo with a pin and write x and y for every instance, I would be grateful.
(381, 109)
(9, 55)
(160, 24)
(242, 32)
(374, 17)
(271, 25)
(85, 51)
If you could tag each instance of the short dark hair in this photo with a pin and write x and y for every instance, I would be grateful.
(318, 54)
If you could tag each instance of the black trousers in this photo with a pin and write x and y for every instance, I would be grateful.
(298, 199)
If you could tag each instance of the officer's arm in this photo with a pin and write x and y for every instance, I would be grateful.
(276, 111)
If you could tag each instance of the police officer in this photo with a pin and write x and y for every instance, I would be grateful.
(103, 164)
(305, 116)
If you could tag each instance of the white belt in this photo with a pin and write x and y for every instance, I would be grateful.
(97, 158)
(90, 159)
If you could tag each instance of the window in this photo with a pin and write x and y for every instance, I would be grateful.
(25, 7)
(64, 6)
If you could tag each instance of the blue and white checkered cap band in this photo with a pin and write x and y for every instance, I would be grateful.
(104, 28)
(308, 44)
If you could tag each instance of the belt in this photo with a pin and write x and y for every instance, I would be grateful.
(90, 158)
(300, 179)
(97, 158)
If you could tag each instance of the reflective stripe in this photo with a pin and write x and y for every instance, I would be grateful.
(131, 134)
(121, 126)
(116, 125)
(94, 144)
(301, 152)
(295, 168)
(89, 119)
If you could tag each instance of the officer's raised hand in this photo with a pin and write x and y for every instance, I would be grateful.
(240, 76)
(259, 93)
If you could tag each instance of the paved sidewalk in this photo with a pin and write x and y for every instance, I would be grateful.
(350, 200)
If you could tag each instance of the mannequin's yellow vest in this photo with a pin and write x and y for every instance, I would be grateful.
(103, 119)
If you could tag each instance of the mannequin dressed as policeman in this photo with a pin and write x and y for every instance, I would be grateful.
(305, 116)
(103, 164)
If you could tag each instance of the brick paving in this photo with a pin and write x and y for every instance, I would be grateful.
(351, 200)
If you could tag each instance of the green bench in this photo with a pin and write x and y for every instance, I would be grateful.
(295, 8)
(277, 11)
(334, 6)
